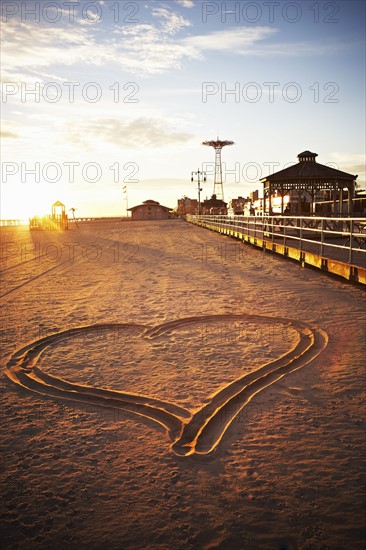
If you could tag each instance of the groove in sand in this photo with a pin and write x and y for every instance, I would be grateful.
(190, 434)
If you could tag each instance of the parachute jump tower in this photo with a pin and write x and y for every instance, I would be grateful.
(218, 188)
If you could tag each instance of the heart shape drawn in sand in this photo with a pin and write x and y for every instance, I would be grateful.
(197, 433)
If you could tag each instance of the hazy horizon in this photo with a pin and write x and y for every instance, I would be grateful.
(99, 96)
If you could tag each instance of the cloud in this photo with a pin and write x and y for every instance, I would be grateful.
(133, 134)
(11, 135)
(355, 168)
(236, 41)
(143, 49)
(351, 163)
(253, 41)
(172, 22)
(28, 46)
(10, 129)
(294, 49)
(149, 50)
(346, 158)
(185, 3)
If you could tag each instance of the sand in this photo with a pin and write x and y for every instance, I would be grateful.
(182, 390)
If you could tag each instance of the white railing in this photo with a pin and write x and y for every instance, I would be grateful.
(9, 223)
(325, 234)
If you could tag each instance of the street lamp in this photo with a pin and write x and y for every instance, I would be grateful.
(199, 175)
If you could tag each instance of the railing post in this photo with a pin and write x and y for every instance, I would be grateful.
(350, 256)
(322, 237)
(300, 223)
(272, 226)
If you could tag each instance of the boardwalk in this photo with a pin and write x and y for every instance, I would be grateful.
(337, 246)
(191, 391)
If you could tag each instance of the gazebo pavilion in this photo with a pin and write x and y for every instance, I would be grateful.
(308, 176)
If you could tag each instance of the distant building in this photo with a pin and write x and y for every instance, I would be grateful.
(249, 206)
(214, 206)
(236, 206)
(255, 205)
(186, 206)
(150, 210)
(254, 195)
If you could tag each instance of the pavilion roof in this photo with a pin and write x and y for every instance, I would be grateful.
(308, 169)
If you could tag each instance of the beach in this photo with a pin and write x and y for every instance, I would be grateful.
(170, 315)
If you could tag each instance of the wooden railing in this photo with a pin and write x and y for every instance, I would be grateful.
(325, 234)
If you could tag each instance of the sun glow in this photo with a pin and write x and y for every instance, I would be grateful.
(22, 201)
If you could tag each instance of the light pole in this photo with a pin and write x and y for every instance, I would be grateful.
(199, 174)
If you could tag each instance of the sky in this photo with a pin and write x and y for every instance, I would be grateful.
(106, 104)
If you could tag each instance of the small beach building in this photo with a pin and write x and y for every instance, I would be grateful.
(150, 210)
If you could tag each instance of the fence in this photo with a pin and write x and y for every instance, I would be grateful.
(313, 240)
(16, 222)
(8, 223)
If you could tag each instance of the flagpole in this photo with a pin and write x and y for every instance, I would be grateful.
(126, 199)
